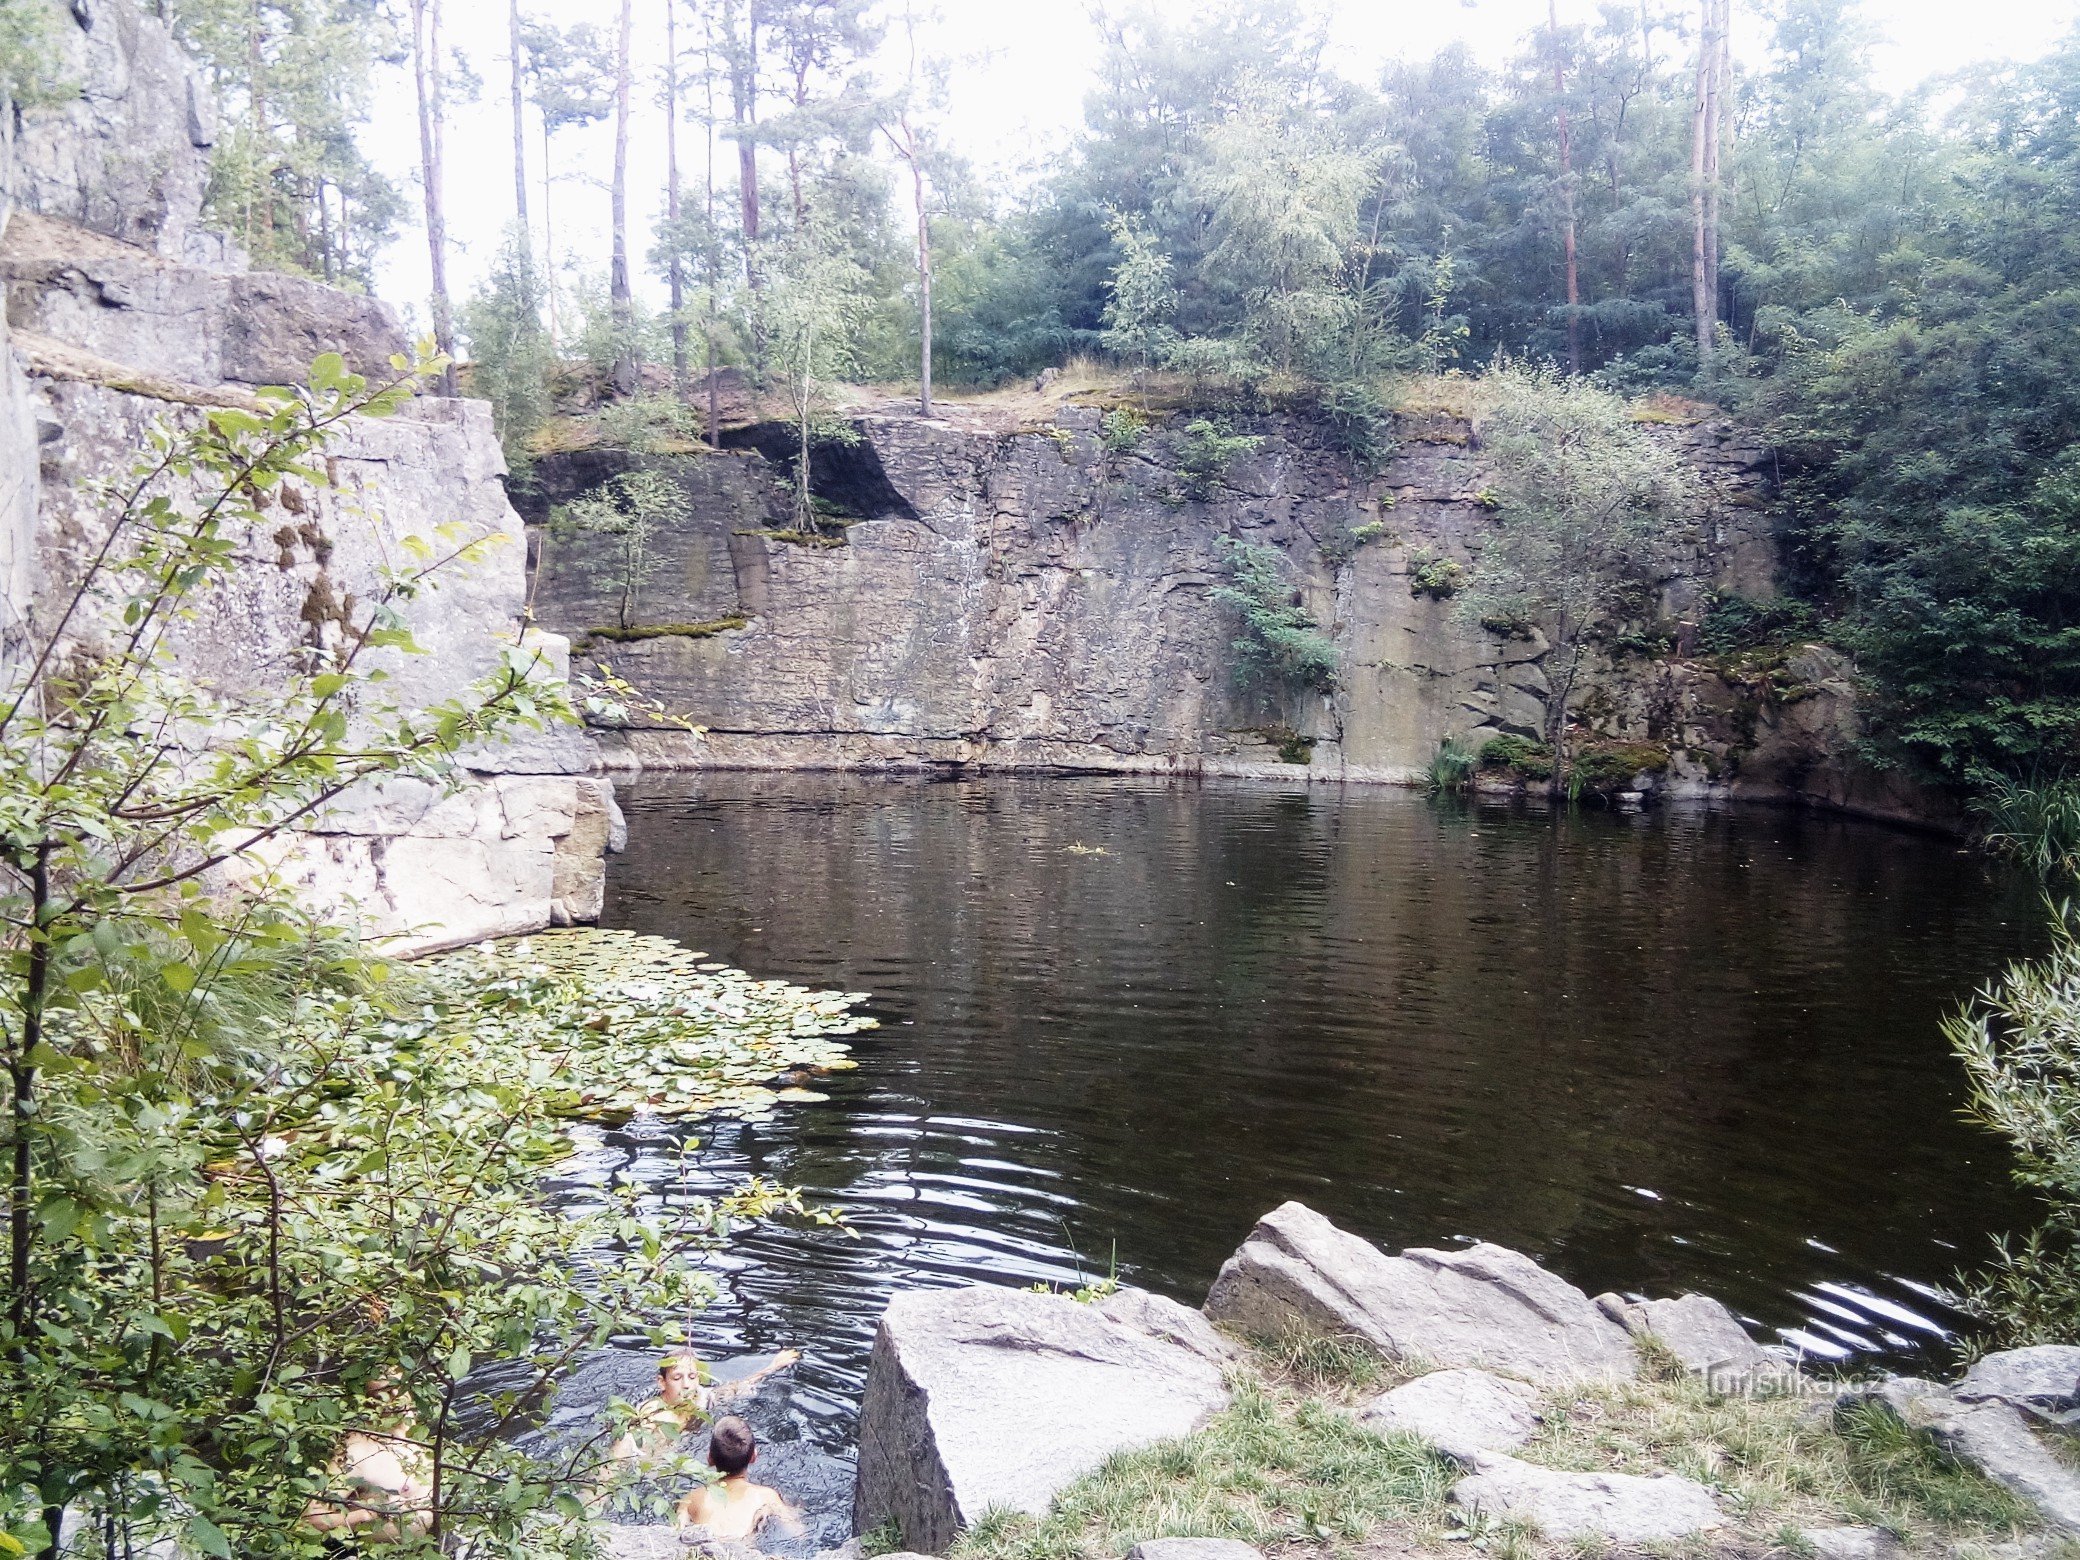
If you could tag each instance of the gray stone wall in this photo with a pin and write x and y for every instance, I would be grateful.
(1027, 599)
(122, 312)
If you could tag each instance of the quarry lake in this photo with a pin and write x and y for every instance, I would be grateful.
(1684, 1050)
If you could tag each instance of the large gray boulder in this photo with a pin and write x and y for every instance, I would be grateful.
(1460, 1412)
(1624, 1508)
(2045, 1378)
(1487, 1306)
(1697, 1330)
(983, 1398)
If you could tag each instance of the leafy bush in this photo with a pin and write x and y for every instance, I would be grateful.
(1602, 767)
(1204, 454)
(1123, 429)
(1434, 575)
(1521, 756)
(1283, 643)
(1732, 623)
(2019, 1041)
(651, 425)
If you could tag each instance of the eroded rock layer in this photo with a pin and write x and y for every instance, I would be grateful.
(1024, 593)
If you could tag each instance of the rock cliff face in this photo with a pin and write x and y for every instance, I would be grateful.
(120, 311)
(1026, 597)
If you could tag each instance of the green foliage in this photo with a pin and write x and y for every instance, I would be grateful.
(30, 71)
(1282, 643)
(629, 507)
(1266, 1471)
(2036, 824)
(1587, 500)
(651, 425)
(1359, 423)
(1599, 768)
(259, 1189)
(1521, 756)
(1143, 297)
(2019, 1041)
(293, 84)
(809, 315)
(1123, 429)
(1453, 767)
(1205, 451)
(510, 355)
(1434, 575)
(1733, 624)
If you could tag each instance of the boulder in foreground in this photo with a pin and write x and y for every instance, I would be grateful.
(982, 1398)
(1486, 1306)
(1460, 1412)
(1624, 1508)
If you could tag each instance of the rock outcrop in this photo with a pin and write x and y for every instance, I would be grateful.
(1486, 1306)
(1030, 596)
(983, 1398)
(121, 311)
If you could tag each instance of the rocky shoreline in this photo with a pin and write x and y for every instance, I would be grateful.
(986, 1401)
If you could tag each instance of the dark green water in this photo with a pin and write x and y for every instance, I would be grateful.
(1693, 1050)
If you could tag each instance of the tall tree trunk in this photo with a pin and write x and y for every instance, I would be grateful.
(1567, 235)
(426, 77)
(906, 148)
(677, 269)
(548, 237)
(924, 287)
(620, 295)
(1722, 78)
(519, 92)
(744, 106)
(1704, 134)
(712, 259)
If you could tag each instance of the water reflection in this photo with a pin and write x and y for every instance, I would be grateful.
(1682, 1052)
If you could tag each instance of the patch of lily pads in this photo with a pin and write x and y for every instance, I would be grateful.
(634, 1024)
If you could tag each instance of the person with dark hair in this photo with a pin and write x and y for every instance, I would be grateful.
(733, 1507)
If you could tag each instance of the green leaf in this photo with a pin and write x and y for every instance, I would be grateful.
(208, 1537)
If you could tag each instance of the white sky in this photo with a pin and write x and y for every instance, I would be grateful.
(1021, 70)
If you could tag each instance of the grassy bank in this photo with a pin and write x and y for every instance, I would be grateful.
(1289, 1466)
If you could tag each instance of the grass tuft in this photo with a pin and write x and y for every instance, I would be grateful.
(1272, 1469)
(1776, 1461)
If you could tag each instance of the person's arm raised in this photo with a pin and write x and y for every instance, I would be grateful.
(730, 1390)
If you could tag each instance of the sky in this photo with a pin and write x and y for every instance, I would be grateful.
(1015, 97)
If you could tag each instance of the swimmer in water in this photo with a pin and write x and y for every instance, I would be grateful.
(683, 1401)
(733, 1507)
